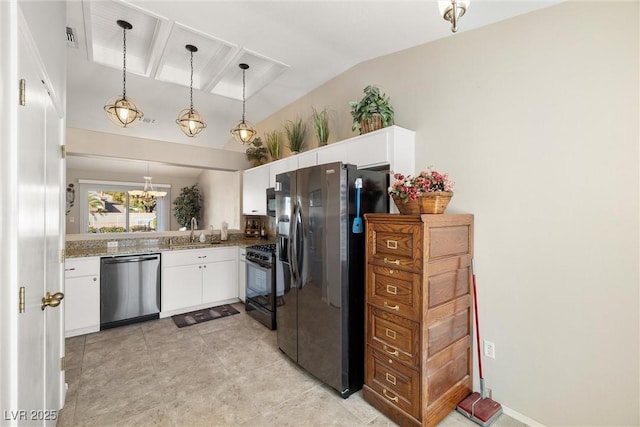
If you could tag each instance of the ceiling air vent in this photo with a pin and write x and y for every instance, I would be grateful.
(72, 41)
(144, 119)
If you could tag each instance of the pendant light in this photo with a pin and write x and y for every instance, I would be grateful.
(122, 110)
(243, 132)
(189, 119)
(452, 11)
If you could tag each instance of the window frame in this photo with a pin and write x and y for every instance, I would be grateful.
(163, 206)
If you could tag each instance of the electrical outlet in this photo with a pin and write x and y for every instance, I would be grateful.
(489, 349)
(112, 245)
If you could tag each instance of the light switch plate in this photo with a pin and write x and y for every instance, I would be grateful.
(112, 245)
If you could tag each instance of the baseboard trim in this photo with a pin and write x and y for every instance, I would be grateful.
(521, 417)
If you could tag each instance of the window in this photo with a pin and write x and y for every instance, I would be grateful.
(107, 207)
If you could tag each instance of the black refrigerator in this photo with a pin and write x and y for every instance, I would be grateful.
(321, 267)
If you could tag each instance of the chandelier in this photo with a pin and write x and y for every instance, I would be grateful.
(243, 131)
(122, 110)
(148, 197)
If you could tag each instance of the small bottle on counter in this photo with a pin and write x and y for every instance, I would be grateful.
(263, 231)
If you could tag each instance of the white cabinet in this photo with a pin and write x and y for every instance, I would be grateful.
(198, 278)
(242, 273)
(281, 166)
(81, 296)
(255, 182)
(392, 147)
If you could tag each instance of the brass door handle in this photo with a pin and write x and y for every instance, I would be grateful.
(52, 300)
(393, 353)
(388, 261)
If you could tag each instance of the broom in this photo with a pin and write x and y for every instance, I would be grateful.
(477, 406)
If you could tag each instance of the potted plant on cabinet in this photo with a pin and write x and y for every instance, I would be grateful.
(372, 112)
(188, 205)
(321, 125)
(256, 152)
(272, 139)
(296, 133)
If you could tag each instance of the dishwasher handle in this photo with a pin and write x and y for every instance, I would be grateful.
(130, 259)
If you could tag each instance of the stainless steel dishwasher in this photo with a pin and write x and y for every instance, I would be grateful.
(129, 289)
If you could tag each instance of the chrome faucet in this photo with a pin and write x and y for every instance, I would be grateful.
(211, 232)
(194, 226)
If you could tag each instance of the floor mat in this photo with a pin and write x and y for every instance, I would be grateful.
(199, 316)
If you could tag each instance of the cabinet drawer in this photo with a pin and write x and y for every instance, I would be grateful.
(395, 246)
(394, 290)
(185, 257)
(394, 336)
(393, 381)
(78, 267)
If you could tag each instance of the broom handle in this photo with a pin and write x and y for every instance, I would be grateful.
(475, 306)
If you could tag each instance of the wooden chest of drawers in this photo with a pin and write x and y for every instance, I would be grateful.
(418, 315)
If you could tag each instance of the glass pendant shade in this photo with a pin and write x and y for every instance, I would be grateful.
(243, 131)
(121, 110)
(190, 122)
(189, 119)
(452, 11)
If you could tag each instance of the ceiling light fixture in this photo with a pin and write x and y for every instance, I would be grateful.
(243, 132)
(148, 196)
(122, 110)
(452, 11)
(189, 119)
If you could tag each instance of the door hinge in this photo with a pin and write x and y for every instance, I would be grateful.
(63, 151)
(63, 255)
(62, 366)
(21, 300)
(23, 90)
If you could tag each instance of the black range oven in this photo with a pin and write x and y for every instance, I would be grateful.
(260, 301)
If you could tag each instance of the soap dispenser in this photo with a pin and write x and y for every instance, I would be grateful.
(202, 238)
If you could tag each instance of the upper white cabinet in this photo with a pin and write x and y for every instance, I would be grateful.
(392, 146)
(255, 182)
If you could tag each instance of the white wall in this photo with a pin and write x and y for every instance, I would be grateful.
(536, 119)
(221, 191)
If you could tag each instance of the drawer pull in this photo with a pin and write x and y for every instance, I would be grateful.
(392, 307)
(392, 290)
(390, 378)
(393, 353)
(389, 396)
(390, 333)
(69, 269)
(392, 244)
(388, 261)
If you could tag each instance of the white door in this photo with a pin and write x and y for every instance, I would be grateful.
(37, 385)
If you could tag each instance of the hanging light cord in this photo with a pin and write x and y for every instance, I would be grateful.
(243, 92)
(124, 63)
(191, 84)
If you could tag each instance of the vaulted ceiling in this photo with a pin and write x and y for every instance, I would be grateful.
(292, 47)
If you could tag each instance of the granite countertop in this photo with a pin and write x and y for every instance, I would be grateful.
(155, 248)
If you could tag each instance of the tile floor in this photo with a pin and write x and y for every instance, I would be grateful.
(225, 372)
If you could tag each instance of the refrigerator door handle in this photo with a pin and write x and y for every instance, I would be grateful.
(292, 249)
(299, 226)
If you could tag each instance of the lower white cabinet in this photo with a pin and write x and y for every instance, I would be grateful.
(242, 273)
(198, 278)
(81, 296)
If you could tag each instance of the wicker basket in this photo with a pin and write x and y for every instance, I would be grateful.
(430, 203)
(374, 123)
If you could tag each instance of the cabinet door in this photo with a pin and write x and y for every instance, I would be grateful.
(333, 153)
(281, 166)
(219, 281)
(82, 305)
(181, 287)
(255, 182)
